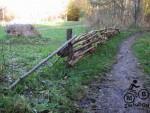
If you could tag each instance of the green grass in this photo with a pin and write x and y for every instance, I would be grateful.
(20, 53)
(60, 86)
(2, 33)
(142, 51)
(57, 31)
(67, 85)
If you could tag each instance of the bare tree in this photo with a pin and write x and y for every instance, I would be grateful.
(122, 13)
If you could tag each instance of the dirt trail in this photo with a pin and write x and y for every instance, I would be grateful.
(107, 95)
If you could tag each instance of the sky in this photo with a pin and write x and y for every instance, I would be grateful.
(35, 8)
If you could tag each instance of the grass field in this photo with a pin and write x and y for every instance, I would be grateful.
(142, 51)
(20, 54)
(58, 88)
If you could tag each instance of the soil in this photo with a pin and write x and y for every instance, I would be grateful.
(108, 94)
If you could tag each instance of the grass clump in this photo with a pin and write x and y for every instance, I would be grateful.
(16, 104)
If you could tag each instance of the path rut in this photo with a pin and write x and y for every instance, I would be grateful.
(107, 95)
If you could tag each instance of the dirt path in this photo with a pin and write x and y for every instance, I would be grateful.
(107, 95)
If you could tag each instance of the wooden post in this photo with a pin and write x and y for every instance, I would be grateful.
(70, 49)
(69, 34)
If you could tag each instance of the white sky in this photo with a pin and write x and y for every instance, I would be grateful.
(35, 8)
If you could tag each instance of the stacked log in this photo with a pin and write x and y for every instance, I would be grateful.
(87, 43)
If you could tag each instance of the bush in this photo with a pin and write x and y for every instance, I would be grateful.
(17, 104)
(73, 12)
(147, 19)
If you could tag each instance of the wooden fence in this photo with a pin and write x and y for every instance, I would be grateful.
(74, 48)
(85, 43)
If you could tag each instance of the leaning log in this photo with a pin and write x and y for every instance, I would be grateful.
(39, 64)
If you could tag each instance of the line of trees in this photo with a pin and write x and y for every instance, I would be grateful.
(103, 13)
(119, 13)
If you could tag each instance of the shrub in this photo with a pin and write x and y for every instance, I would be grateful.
(17, 104)
(73, 12)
